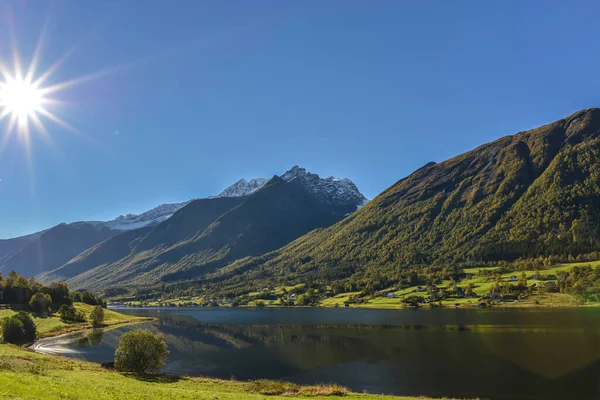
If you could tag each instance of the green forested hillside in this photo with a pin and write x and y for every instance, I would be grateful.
(535, 193)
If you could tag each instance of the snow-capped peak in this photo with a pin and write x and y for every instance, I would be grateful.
(243, 187)
(331, 189)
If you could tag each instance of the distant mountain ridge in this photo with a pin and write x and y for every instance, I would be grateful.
(247, 218)
(53, 247)
(133, 221)
(10, 246)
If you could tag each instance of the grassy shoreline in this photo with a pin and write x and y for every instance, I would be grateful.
(52, 325)
(26, 374)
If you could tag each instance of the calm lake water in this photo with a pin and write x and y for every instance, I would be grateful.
(495, 354)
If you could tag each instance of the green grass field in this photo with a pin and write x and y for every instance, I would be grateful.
(28, 375)
(51, 325)
(482, 286)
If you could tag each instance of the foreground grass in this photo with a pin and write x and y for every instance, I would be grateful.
(28, 375)
(52, 325)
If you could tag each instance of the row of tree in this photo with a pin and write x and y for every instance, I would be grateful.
(19, 292)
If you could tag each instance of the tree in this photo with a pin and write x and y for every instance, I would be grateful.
(40, 303)
(19, 329)
(523, 279)
(140, 352)
(97, 315)
(67, 312)
(13, 331)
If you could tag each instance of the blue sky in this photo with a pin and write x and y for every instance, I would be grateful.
(203, 93)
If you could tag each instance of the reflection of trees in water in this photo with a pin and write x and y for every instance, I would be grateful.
(297, 346)
(452, 360)
(91, 338)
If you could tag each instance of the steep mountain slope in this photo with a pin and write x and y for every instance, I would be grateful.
(210, 233)
(10, 246)
(534, 193)
(55, 247)
(196, 216)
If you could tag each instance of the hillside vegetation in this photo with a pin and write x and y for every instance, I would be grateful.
(533, 194)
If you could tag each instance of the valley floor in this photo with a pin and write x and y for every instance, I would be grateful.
(393, 298)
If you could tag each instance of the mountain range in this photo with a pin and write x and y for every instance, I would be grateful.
(185, 239)
(532, 194)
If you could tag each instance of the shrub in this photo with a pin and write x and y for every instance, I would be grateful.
(67, 312)
(12, 331)
(97, 315)
(40, 302)
(28, 326)
(140, 351)
(19, 329)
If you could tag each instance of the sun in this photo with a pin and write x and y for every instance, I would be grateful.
(21, 99)
(25, 99)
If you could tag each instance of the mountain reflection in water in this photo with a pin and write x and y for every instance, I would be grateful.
(497, 355)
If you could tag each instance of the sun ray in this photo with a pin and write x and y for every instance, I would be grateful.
(58, 120)
(46, 74)
(82, 79)
(38, 50)
(8, 133)
(4, 114)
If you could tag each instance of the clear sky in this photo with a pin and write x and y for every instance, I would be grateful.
(188, 96)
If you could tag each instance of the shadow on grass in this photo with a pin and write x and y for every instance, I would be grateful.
(42, 315)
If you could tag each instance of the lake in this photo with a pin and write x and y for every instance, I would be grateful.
(495, 354)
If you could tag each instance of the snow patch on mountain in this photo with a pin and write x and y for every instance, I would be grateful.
(243, 187)
(331, 189)
(132, 221)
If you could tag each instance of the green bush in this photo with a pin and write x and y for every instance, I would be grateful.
(70, 314)
(12, 331)
(67, 312)
(97, 315)
(140, 351)
(40, 303)
(19, 329)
